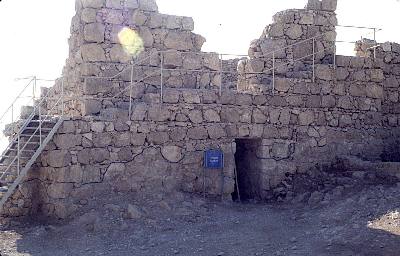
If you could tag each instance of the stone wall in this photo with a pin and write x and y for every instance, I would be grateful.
(351, 109)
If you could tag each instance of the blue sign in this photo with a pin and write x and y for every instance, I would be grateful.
(214, 159)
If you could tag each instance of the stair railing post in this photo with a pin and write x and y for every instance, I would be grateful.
(313, 60)
(40, 125)
(130, 91)
(162, 78)
(62, 96)
(334, 55)
(34, 88)
(375, 43)
(221, 64)
(12, 113)
(273, 72)
(18, 153)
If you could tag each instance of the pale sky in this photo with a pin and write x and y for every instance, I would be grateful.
(34, 33)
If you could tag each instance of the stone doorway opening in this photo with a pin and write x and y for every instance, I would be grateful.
(248, 174)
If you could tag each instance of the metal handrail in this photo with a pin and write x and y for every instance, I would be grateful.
(16, 138)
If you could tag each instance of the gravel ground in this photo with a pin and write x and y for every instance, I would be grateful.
(362, 222)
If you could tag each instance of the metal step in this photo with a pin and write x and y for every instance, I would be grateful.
(9, 175)
(37, 128)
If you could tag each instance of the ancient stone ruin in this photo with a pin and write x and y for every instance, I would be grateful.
(140, 125)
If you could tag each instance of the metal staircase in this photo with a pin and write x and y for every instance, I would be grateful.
(27, 143)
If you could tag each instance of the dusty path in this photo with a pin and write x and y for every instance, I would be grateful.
(366, 223)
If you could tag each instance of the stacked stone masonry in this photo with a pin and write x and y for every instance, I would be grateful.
(351, 109)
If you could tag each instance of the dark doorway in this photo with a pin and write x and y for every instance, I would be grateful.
(248, 171)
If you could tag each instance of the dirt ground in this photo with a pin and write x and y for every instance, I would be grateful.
(362, 222)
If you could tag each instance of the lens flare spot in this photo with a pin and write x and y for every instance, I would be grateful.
(131, 41)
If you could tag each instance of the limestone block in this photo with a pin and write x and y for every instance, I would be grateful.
(357, 90)
(374, 91)
(156, 20)
(212, 61)
(59, 190)
(114, 4)
(94, 32)
(198, 41)
(94, 86)
(255, 66)
(91, 107)
(210, 115)
(191, 97)
(282, 85)
(102, 140)
(93, 3)
(125, 154)
(131, 4)
(173, 22)
(91, 174)
(330, 36)
(172, 59)
(58, 158)
(296, 101)
(67, 127)
(196, 116)
(192, 62)
(67, 141)
(172, 154)
(138, 18)
(93, 53)
(99, 155)
(286, 17)
(314, 5)
(138, 139)
(147, 36)
(215, 131)
(306, 118)
(139, 112)
(357, 62)
(148, 5)
(97, 127)
(178, 134)
(391, 82)
(157, 137)
(187, 23)
(307, 18)
(197, 133)
(321, 20)
(259, 117)
(159, 114)
(342, 73)
(178, 41)
(276, 30)
(280, 150)
(273, 45)
(329, 5)
(122, 139)
(294, 31)
(377, 75)
(302, 50)
(171, 96)
(114, 171)
(118, 54)
(89, 15)
(114, 17)
(323, 72)
(230, 115)
(328, 101)
(345, 102)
